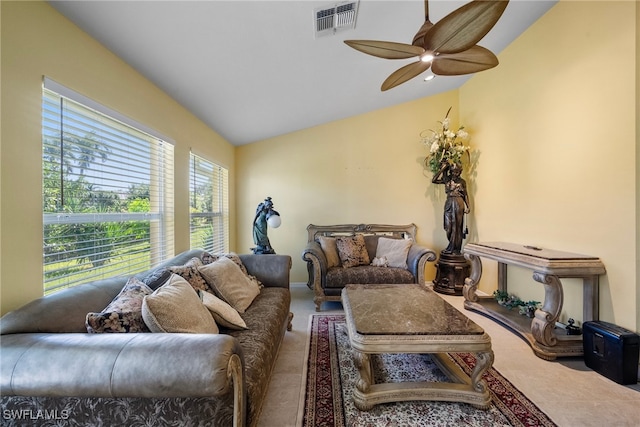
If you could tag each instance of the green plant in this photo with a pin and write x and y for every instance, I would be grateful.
(500, 295)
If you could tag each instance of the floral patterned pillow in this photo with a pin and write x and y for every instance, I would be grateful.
(190, 273)
(352, 251)
(124, 313)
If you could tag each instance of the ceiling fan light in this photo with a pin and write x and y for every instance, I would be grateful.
(429, 78)
(426, 57)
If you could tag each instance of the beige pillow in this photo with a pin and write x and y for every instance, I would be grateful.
(208, 258)
(223, 313)
(394, 250)
(228, 281)
(328, 245)
(352, 251)
(176, 307)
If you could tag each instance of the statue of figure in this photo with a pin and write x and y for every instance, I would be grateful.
(456, 205)
(263, 213)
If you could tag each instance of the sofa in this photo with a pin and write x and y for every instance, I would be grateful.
(54, 372)
(342, 254)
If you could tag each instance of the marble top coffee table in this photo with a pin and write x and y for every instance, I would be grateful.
(411, 318)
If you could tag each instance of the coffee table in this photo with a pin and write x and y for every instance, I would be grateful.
(412, 318)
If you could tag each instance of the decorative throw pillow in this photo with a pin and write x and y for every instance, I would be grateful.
(223, 313)
(380, 262)
(352, 251)
(228, 281)
(124, 313)
(208, 258)
(394, 250)
(176, 307)
(330, 249)
(190, 273)
(156, 278)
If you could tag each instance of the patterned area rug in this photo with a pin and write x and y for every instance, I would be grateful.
(331, 377)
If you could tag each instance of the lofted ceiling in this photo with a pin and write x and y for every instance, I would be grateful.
(252, 70)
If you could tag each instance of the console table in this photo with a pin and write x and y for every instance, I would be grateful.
(549, 266)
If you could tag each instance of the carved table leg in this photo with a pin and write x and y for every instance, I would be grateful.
(484, 360)
(363, 363)
(545, 318)
(471, 282)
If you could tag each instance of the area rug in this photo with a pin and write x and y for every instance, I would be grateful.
(331, 376)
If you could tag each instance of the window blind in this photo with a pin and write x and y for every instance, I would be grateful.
(209, 188)
(107, 194)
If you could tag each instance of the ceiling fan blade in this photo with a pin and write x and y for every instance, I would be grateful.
(464, 27)
(405, 73)
(387, 50)
(470, 61)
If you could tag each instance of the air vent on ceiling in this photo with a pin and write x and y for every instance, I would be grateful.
(338, 17)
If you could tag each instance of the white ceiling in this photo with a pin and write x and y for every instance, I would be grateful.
(253, 69)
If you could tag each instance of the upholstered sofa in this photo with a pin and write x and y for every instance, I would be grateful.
(53, 372)
(338, 255)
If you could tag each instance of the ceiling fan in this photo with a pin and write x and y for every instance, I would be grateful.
(448, 46)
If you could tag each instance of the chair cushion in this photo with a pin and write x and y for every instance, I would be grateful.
(340, 277)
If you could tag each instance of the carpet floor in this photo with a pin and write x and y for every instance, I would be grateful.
(331, 376)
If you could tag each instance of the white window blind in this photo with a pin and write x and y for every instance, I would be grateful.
(209, 206)
(107, 193)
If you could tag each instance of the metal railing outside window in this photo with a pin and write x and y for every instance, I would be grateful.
(209, 194)
(107, 192)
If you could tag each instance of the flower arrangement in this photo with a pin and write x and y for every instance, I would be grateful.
(444, 145)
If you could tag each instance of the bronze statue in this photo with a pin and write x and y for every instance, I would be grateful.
(456, 205)
(264, 214)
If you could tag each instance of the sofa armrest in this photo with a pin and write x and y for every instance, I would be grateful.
(316, 264)
(121, 365)
(417, 259)
(271, 269)
(313, 252)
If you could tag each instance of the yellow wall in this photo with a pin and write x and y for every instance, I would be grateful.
(37, 41)
(637, 168)
(555, 123)
(365, 169)
(554, 126)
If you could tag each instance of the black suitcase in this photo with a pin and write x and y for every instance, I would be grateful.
(611, 350)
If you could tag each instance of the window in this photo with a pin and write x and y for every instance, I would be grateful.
(209, 206)
(107, 192)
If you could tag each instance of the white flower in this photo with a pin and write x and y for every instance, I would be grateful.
(445, 146)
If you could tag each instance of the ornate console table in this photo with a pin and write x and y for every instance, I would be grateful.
(549, 266)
